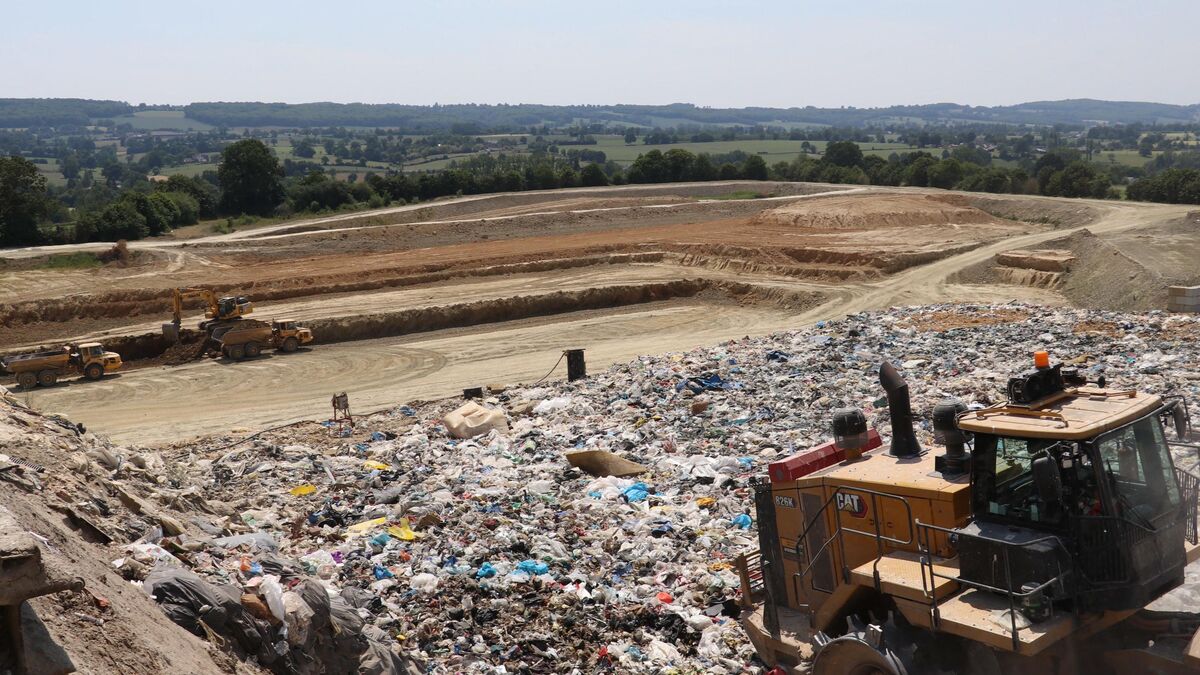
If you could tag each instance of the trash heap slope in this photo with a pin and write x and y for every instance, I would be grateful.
(54, 489)
(139, 535)
(473, 553)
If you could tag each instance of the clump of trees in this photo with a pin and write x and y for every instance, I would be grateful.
(1173, 186)
(23, 201)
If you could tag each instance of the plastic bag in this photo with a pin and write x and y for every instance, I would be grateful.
(636, 492)
(273, 592)
(423, 583)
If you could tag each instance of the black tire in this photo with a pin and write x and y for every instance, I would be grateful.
(236, 352)
(94, 371)
(290, 345)
(47, 378)
(27, 380)
(253, 349)
(852, 655)
(902, 649)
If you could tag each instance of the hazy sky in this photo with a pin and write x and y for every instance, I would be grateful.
(727, 54)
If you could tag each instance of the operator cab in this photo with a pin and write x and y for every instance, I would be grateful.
(91, 350)
(234, 306)
(1075, 486)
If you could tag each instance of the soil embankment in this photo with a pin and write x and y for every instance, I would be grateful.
(1098, 275)
(838, 212)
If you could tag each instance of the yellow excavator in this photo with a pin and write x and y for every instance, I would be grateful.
(219, 311)
(1050, 534)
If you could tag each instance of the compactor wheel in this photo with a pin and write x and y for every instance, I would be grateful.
(252, 349)
(852, 655)
(290, 345)
(27, 380)
(47, 378)
(94, 371)
(237, 352)
(891, 647)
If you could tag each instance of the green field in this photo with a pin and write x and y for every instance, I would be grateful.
(770, 150)
(173, 120)
(1121, 157)
(50, 170)
(615, 148)
(192, 170)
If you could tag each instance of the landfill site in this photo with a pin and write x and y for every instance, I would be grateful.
(825, 430)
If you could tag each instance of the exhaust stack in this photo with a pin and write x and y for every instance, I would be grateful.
(956, 462)
(904, 438)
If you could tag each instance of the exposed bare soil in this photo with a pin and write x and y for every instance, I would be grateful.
(425, 300)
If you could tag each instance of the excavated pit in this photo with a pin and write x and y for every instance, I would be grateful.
(157, 301)
(153, 347)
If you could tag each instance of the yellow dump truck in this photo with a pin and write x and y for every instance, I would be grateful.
(44, 368)
(247, 338)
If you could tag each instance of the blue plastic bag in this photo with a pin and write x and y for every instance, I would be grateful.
(636, 492)
(486, 571)
(533, 567)
(742, 521)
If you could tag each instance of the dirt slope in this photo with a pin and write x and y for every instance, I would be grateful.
(1100, 277)
(871, 211)
(132, 636)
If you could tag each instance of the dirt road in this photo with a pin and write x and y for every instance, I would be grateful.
(171, 403)
(163, 404)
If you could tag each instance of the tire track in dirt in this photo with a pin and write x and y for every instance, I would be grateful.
(164, 404)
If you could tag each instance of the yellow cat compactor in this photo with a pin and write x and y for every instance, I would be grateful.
(1049, 534)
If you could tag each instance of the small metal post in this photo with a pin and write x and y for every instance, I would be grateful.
(341, 412)
(576, 365)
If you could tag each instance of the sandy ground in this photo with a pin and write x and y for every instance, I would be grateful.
(887, 257)
(169, 403)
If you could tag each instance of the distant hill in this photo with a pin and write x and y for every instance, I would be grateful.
(1078, 111)
(473, 119)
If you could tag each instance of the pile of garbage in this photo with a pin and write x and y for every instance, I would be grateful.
(571, 527)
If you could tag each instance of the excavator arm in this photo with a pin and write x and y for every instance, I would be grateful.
(178, 295)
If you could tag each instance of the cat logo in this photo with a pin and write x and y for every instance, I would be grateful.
(852, 504)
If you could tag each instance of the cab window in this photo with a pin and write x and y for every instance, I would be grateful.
(1137, 461)
(1004, 485)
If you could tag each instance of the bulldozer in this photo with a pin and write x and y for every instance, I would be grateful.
(219, 312)
(1052, 533)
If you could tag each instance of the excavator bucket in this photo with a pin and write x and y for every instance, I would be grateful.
(171, 332)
